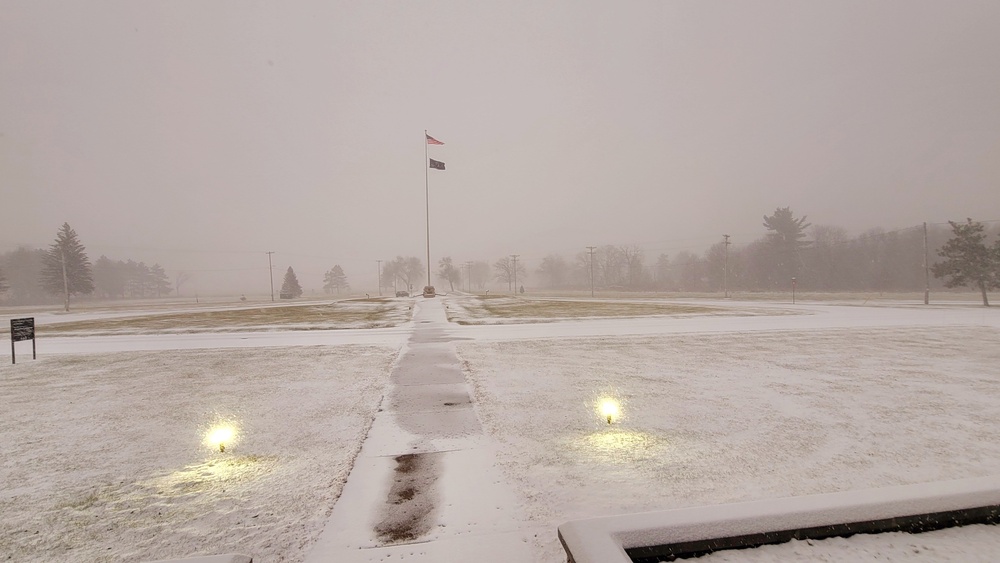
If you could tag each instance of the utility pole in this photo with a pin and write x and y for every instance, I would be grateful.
(514, 256)
(725, 277)
(468, 276)
(270, 272)
(62, 260)
(378, 268)
(591, 249)
(927, 271)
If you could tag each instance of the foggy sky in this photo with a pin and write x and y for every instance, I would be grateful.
(200, 135)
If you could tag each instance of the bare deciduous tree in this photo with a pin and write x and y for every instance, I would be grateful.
(449, 272)
(504, 269)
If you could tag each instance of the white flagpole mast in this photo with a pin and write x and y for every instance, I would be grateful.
(427, 201)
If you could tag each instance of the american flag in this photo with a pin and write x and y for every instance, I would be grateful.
(432, 140)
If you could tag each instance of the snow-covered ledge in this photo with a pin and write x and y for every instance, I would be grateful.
(604, 540)
(227, 558)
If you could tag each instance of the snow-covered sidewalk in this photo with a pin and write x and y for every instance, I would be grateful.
(426, 485)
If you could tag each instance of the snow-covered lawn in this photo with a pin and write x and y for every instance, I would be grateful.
(492, 310)
(355, 313)
(716, 418)
(103, 460)
(103, 457)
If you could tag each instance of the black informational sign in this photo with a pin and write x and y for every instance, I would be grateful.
(22, 329)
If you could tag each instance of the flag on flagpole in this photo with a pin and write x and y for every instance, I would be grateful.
(432, 140)
(436, 164)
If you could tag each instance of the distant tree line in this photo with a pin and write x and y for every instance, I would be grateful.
(32, 276)
(820, 258)
(129, 279)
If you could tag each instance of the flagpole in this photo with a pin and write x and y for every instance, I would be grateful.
(427, 202)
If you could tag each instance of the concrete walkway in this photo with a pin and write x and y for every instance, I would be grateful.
(425, 485)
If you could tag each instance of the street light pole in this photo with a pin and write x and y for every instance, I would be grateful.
(725, 279)
(927, 271)
(591, 249)
(270, 271)
(514, 256)
(427, 205)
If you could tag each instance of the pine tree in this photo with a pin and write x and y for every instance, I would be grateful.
(335, 279)
(968, 261)
(290, 288)
(159, 280)
(109, 278)
(23, 273)
(784, 241)
(3, 282)
(136, 278)
(66, 268)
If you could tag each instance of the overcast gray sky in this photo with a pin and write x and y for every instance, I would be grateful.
(160, 128)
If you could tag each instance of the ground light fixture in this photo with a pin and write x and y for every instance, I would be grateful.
(220, 435)
(609, 408)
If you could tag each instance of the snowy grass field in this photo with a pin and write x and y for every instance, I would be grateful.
(104, 461)
(354, 313)
(486, 310)
(721, 402)
(718, 418)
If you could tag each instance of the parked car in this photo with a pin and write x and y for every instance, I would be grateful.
(429, 291)
(402, 294)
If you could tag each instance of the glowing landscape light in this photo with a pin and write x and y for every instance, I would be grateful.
(219, 436)
(609, 409)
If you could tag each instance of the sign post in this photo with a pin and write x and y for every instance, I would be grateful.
(22, 329)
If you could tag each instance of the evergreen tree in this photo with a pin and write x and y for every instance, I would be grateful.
(66, 268)
(784, 241)
(968, 261)
(23, 270)
(109, 278)
(136, 278)
(159, 280)
(3, 282)
(290, 288)
(334, 279)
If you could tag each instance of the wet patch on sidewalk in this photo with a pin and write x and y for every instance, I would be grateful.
(412, 499)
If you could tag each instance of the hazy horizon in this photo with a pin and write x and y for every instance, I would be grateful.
(202, 135)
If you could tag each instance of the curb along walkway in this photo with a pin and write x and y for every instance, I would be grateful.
(425, 485)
